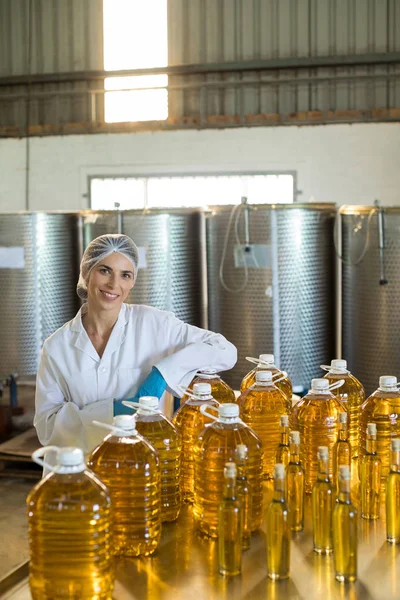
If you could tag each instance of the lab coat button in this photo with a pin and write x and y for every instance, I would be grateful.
(103, 369)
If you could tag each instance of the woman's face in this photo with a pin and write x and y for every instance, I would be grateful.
(110, 282)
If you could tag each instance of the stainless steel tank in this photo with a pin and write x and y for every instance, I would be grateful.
(370, 325)
(287, 305)
(38, 275)
(172, 256)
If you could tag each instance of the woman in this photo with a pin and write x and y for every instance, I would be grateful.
(112, 351)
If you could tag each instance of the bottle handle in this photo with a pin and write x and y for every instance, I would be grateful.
(137, 405)
(204, 411)
(114, 429)
(36, 457)
(329, 368)
(255, 361)
(335, 385)
(281, 375)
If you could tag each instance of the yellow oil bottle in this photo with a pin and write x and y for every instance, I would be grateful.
(316, 417)
(345, 531)
(166, 440)
(393, 495)
(282, 453)
(130, 468)
(277, 530)
(190, 422)
(70, 531)
(295, 484)
(341, 453)
(244, 493)
(370, 477)
(351, 394)
(266, 362)
(323, 494)
(383, 409)
(261, 407)
(215, 446)
(220, 390)
(230, 525)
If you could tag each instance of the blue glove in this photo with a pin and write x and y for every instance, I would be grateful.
(153, 385)
(121, 409)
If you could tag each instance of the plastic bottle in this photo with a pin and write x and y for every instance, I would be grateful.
(282, 453)
(244, 493)
(166, 440)
(261, 407)
(230, 525)
(190, 423)
(265, 362)
(295, 484)
(278, 529)
(323, 493)
(383, 409)
(351, 394)
(69, 529)
(370, 477)
(215, 446)
(130, 468)
(316, 417)
(220, 390)
(393, 495)
(345, 531)
(341, 453)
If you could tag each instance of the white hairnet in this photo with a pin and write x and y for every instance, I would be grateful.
(101, 247)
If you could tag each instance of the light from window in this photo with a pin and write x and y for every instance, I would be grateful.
(135, 37)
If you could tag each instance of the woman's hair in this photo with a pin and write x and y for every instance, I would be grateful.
(101, 247)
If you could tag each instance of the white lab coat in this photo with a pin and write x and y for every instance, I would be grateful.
(75, 386)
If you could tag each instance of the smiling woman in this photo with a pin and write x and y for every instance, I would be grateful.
(112, 351)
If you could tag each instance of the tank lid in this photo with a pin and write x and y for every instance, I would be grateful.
(71, 457)
(228, 410)
(267, 358)
(339, 363)
(320, 384)
(386, 381)
(126, 422)
(263, 376)
(150, 401)
(200, 389)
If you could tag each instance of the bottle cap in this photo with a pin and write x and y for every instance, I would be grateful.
(344, 472)
(150, 401)
(284, 419)
(339, 363)
(70, 457)
(343, 417)
(320, 384)
(126, 422)
(263, 376)
(201, 389)
(228, 410)
(371, 428)
(267, 358)
(396, 444)
(241, 451)
(230, 469)
(323, 452)
(279, 471)
(294, 437)
(387, 381)
(208, 371)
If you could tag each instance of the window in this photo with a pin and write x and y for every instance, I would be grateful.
(135, 37)
(190, 191)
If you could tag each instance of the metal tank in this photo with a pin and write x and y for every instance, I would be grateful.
(285, 303)
(369, 239)
(172, 256)
(38, 275)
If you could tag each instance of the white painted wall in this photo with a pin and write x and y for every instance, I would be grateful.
(346, 164)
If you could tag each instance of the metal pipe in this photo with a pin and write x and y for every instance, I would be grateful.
(382, 245)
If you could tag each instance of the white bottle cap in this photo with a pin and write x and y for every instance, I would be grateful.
(228, 410)
(70, 457)
(319, 384)
(396, 445)
(263, 376)
(339, 363)
(279, 471)
(344, 472)
(267, 358)
(150, 401)
(241, 451)
(208, 371)
(343, 417)
(201, 389)
(284, 419)
(294, 437)
(126, 422)
(387, 381)
(323, 452)
(371, 428)
(230, 469)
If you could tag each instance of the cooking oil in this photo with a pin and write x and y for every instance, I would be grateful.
(130, 468)
(282, 453)
(383, 409)
(323, 494)
(345, 531)
(316, 417)
(230, 525)
(265, 362)
(261, 407)
(277, 531)
(69, 529)
(295, 484)
(341, 453)
(215, 446)
(243, 493)
(351, 394)
(220, 390)
(191, 422)
(166, 440)
(370, 477)
(393, 495)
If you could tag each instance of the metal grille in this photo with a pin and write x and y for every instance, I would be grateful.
(371, 325)
(287, 307)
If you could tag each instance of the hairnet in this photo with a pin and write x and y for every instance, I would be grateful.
(101, 247)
